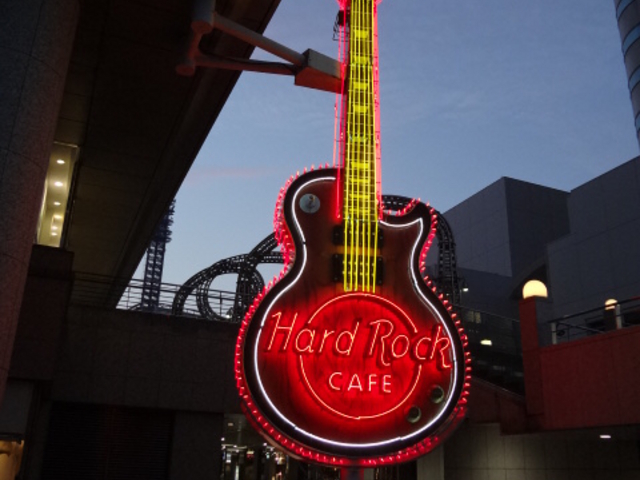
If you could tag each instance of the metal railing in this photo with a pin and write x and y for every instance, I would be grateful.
(494, 341)
(105, 292)
(495, 346)
(595, 321)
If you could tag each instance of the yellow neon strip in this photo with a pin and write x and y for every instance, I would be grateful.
(360, 199)
(365, 225)
(354, 101)
(374, 211)
(347, 270)
(356, 239)
(361, 60)
(364, 205)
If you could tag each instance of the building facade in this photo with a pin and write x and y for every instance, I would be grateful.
(628, 15)
(96, 134)
(580, 244)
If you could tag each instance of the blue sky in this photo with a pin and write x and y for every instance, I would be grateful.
(471, 91)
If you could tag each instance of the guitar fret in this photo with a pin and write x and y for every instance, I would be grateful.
(360, 61)
(360, 140)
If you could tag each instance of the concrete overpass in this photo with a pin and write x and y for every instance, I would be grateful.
(95, 114)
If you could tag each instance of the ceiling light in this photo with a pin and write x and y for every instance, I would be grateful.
(54, 234)
(57, 216)
(54, 227)
(486, 342)
(57, 204)
(58, 184)
(605, 437)
(60, 161)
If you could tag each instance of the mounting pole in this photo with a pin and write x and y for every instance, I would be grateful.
(351, 473)
(310, 69)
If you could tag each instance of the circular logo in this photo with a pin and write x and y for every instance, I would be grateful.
(357, 366)
(367, 352)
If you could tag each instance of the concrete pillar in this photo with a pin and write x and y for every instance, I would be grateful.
(431, 466)
(530, 337)
(352, 474)
(196, 450)
(36, 37)
(37, 442)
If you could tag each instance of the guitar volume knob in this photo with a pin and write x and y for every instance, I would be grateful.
(413, 414)
(309, 203)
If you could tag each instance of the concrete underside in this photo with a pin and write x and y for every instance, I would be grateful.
(138, 124)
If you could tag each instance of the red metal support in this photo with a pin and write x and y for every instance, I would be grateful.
(531, 356)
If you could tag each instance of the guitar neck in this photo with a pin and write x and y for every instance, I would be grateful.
(360, 133)
(361, 175)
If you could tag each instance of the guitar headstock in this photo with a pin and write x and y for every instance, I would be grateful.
(344, 3)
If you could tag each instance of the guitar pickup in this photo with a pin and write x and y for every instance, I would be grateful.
(337, 268)
(337, 236)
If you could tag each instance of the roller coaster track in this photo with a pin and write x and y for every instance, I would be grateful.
(250, 281)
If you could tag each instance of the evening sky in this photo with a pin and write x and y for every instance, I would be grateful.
(471, 91)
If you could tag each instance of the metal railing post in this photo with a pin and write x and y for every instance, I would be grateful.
(618, 317)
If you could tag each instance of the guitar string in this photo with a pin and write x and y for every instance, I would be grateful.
(359, 140)
(361, 206)
(353, 126)
(347, 164)
(376, 132)
(368, 125)
(366, 226)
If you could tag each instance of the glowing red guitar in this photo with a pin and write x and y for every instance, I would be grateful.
(352, 358)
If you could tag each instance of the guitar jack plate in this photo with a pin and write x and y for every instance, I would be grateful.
(309, 203)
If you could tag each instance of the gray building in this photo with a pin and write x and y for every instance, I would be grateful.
(97, 132)
(501, 235)
(628, 15)
(599, 258)
(582, 244)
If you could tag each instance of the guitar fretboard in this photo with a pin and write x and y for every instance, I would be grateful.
(360, 148)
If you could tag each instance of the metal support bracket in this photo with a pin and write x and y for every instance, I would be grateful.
(311, 69)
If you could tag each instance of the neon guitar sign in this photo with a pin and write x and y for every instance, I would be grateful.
(351, 358)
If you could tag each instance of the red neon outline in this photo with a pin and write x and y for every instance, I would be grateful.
(406, 454)
(375, 298)
(359, 417)
(382, 339)
(411, 452)
(393, 352)
(434, 343)
(363, 294)
(331, 385)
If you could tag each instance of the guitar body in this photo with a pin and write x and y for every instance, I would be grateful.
(352, 359)
(350, 377)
